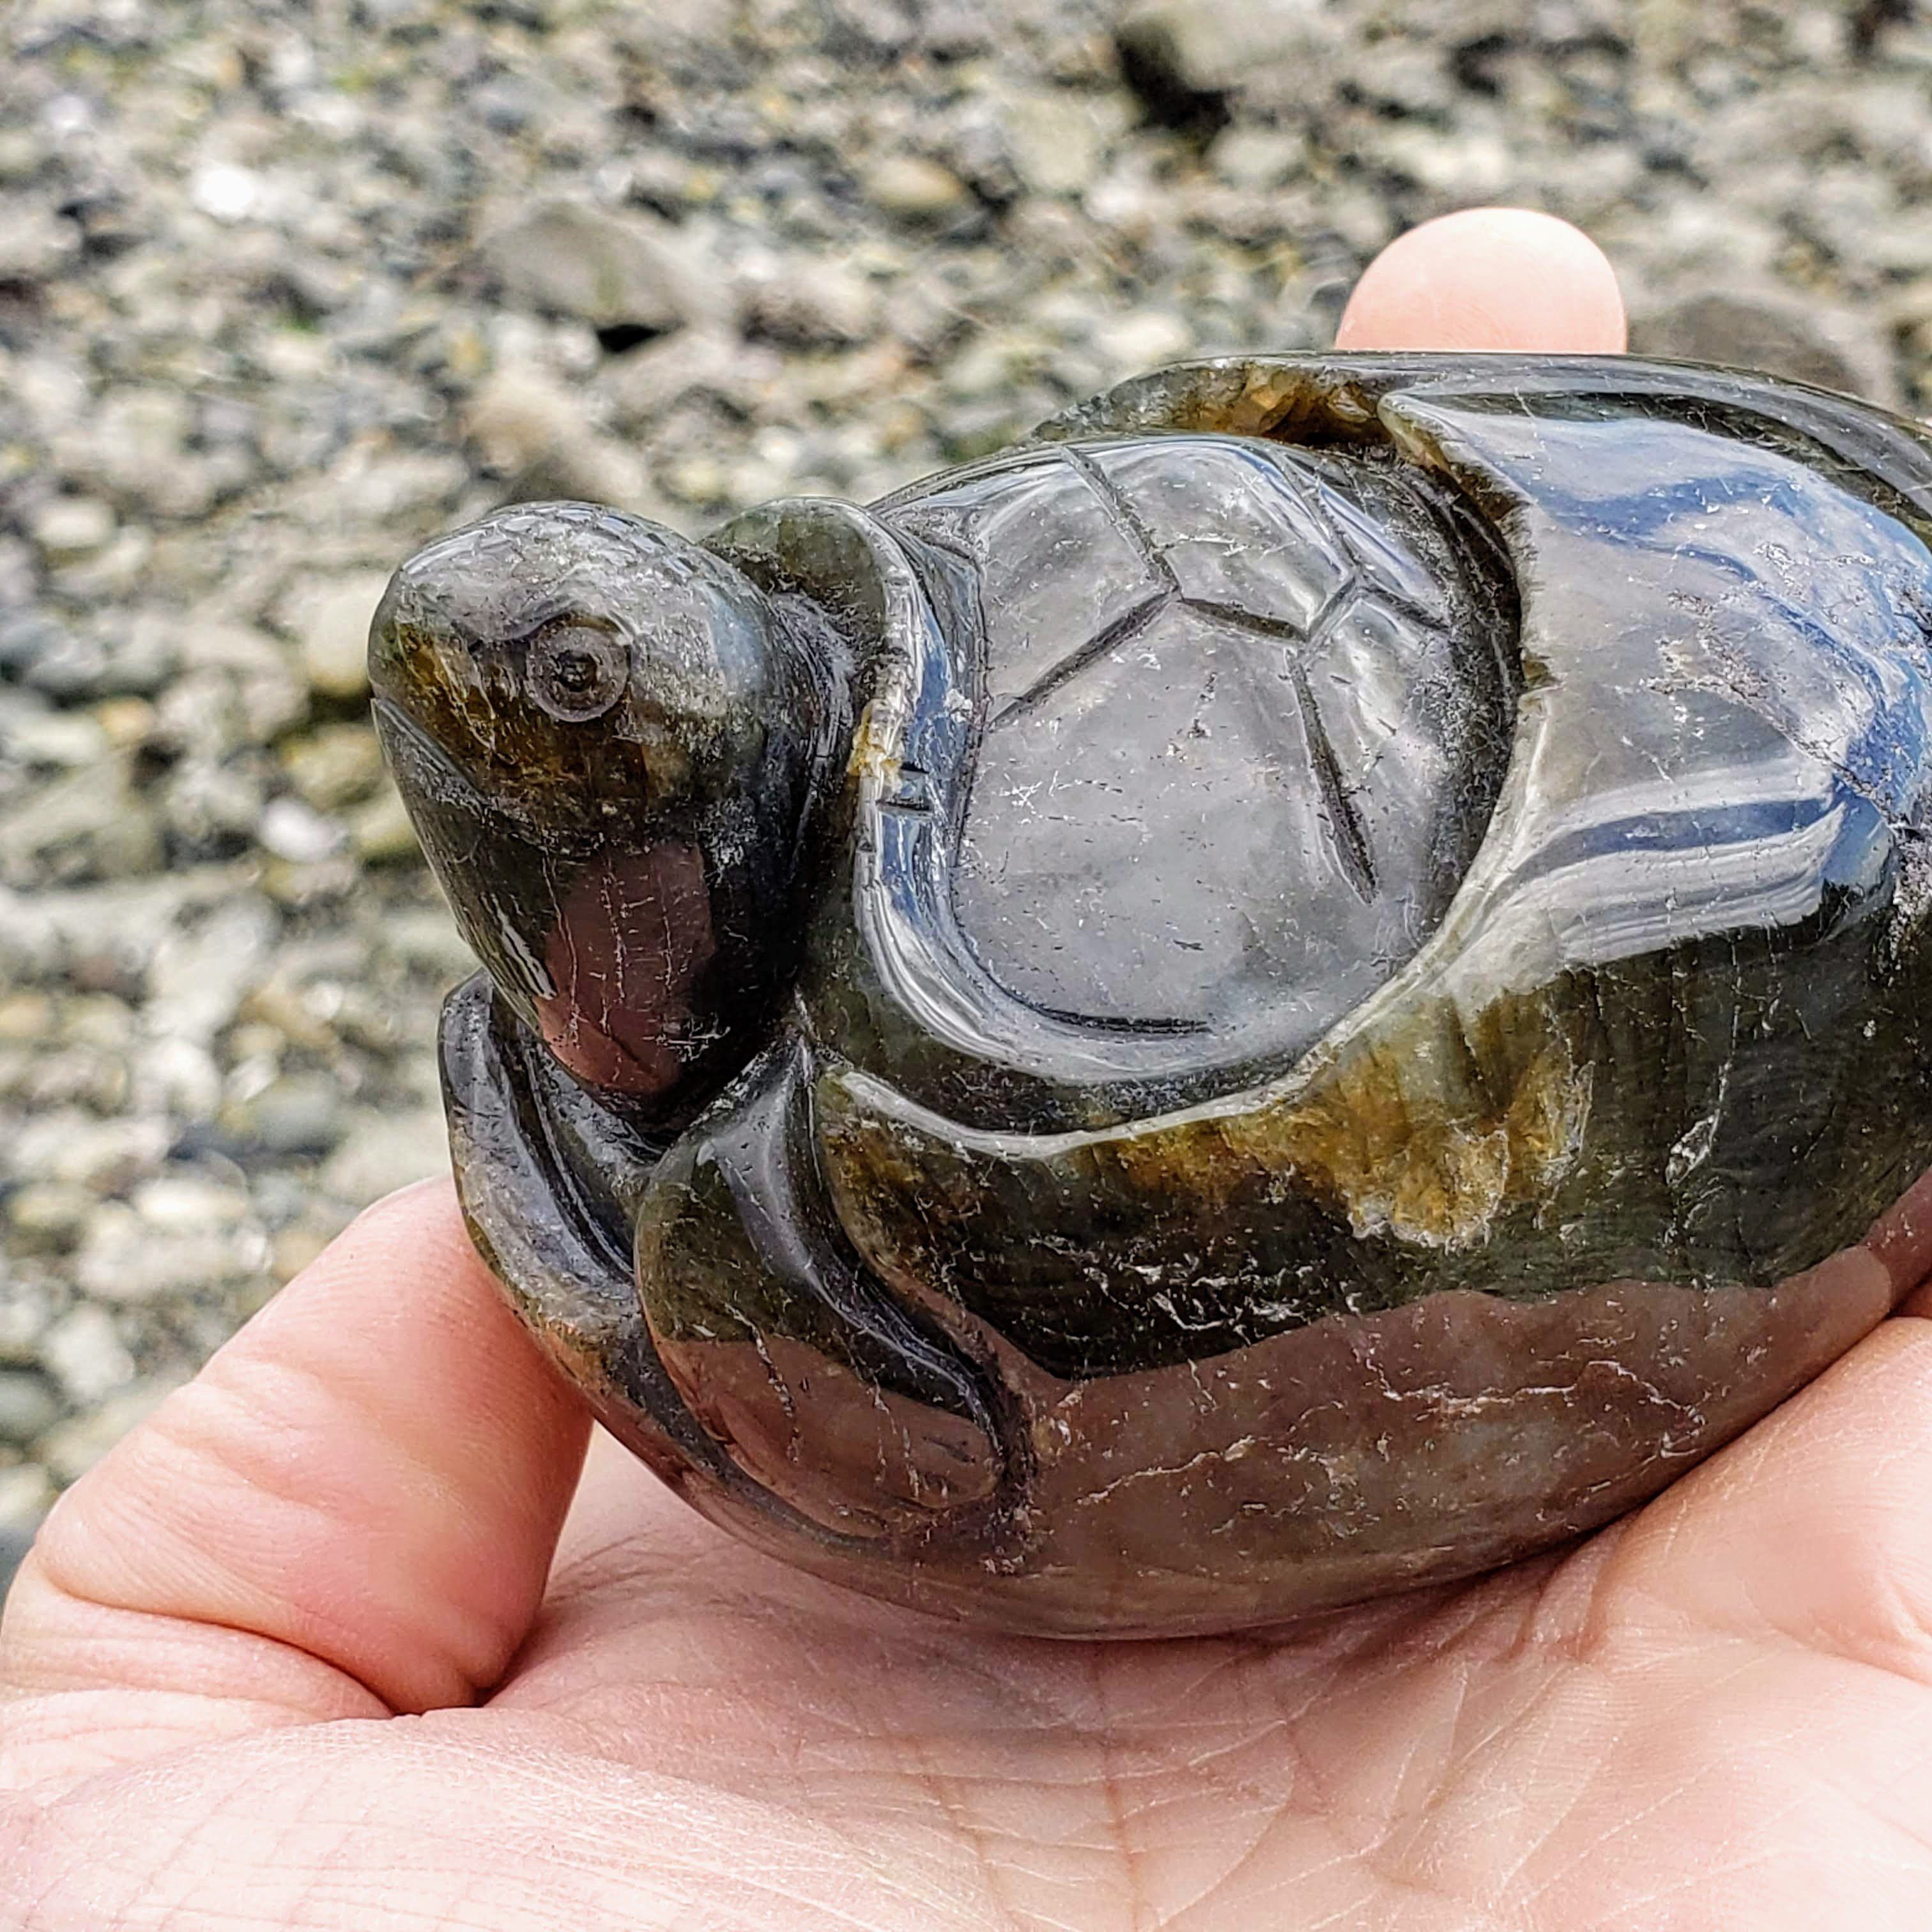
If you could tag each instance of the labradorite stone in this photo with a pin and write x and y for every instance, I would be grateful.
(1311, 982)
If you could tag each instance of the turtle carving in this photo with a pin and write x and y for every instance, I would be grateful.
(1312, 981)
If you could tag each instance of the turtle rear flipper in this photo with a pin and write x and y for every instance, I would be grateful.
(853, 1407)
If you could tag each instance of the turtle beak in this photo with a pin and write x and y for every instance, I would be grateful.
(602, 948)
(493, 869)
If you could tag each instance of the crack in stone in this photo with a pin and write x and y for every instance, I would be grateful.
(1123, 516)
(1122, 630)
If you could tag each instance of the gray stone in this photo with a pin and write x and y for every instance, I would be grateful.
(48, 1216)
(297, 832)
(112, 573)
(334, 766)
(90, 823)
(85, 1354)
(1461, 167)
(200, 973)
(25, 1313)
(36, 243)
(428, 941)
(915, 188)
(73, 526)
(26, 1495)
(800, 298)
(19, 572)
(1058, 139)
(534, 431)
(67, 1144)
(1142, 340)
(126, 654)
(257, 680)
(299, 1113)
(137, 446)
(129, 1257)
(205, 803)
(381, 1152)
(1193, 48)
(330, 616)
(696, 366)
(28, 1405)
(611, 270)
(1808, 340)
(1258, 157)
(37, 735)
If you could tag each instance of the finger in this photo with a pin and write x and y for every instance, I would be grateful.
(350, 1511)
(1488, 278)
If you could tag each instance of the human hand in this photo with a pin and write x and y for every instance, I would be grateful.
(297, 1654)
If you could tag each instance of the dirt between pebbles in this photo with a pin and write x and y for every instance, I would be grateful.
(285, 290)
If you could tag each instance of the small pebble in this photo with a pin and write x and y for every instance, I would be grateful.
(28, 1405)
(26, 1495)
(294, 831)
(915, 188)
(565, 258)
(84, 1352)
(1058, 141)
(300, 1113)
(334, 766)
(380, 1153)
(1143, 340)
(48, 1217)
(331, 616)
(66, 738)
(73, 526)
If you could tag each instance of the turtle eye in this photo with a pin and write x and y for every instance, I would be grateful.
(576, 671)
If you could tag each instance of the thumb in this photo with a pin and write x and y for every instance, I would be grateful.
(1488, 278)
(350, 1513)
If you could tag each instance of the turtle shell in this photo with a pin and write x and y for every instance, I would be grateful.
(1243, 712)
(1234, 1285)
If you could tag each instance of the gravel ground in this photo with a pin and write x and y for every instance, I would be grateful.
(285, 289)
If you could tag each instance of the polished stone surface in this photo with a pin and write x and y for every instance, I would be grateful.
(1312, 983)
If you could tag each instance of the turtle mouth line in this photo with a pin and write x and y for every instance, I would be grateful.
(408, 741)
(425, 769)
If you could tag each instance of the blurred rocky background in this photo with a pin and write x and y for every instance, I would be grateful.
(288, 285)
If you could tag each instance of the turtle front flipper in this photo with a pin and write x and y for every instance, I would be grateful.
(745, 1356)
(544, 1174)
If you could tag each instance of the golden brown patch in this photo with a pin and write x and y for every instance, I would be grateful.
(875, 743)
(1407, 1132)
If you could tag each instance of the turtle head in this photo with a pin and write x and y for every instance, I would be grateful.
(609, 742)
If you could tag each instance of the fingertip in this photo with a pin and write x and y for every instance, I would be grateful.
(1488, 278)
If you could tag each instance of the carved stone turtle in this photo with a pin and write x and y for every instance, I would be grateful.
(1313, 982)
